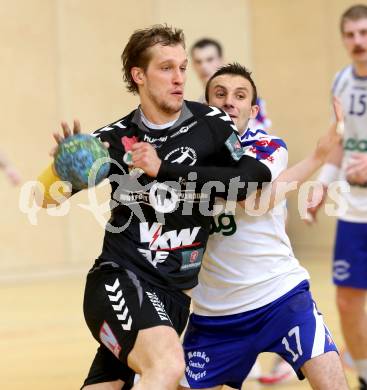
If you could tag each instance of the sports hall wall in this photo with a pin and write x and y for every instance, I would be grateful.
(296, 51)
(60, 60)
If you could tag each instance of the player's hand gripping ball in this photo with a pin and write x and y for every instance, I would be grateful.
(75, 157)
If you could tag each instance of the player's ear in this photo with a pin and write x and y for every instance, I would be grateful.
(254, 111)
(138, 75)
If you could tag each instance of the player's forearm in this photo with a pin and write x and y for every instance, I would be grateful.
(297, 175)
(51, 190)
(248, 170)
(301, 171)
(335, 157)
(289, 181)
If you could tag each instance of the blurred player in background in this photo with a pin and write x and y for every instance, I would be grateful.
(207, 58)
(349, 163)
(9, 170)
(253, 296)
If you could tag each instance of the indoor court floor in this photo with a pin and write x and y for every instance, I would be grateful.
(45, 343)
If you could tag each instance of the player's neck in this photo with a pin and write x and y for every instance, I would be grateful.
(242, 127)
(360, 69)
(157, 116)
(242, 131)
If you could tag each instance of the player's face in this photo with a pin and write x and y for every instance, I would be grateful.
(233, 94)
(165, 77)
(355, 39)
(206, 62)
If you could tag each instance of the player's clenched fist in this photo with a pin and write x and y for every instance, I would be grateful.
(144, 156)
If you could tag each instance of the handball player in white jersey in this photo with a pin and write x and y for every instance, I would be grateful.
(348, 163)
(207, 58)
(253, 296)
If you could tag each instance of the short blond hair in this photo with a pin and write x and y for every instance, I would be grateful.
(136, 52)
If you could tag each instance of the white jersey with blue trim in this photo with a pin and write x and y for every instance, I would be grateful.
(352, 91)
(249, 261)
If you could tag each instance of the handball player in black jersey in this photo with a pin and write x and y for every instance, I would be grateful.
(179, 154)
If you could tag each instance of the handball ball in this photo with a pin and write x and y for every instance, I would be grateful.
(75, 157)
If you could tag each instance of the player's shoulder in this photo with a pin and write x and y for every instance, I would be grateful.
(207, 112)
(261, 138)
(266, 148)
(341, 77)
(217, 122)
(346, 71)
(197, 108)
(117, 126)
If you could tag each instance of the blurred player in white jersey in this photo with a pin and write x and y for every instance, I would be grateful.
(349, 163)
(253, 296)
(207, 58)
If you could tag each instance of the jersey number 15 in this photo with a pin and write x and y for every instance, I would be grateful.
(357, 104)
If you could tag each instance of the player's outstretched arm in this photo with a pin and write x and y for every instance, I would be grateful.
(247, 170)
(330, 170)
(329, 173)
(327, 149)
(300, 172)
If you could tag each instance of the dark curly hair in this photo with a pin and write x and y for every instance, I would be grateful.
(234, 69)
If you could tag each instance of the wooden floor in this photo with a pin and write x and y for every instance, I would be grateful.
(45, 343)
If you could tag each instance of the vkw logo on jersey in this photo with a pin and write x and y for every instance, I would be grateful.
(182, 155)
(197, 362)
(160, 244)
(171, 240)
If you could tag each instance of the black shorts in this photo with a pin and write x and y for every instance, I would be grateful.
(117, 304)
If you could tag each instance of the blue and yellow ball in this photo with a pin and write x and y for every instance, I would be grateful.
(75, 157)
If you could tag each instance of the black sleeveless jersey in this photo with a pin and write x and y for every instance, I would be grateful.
(159, 227)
